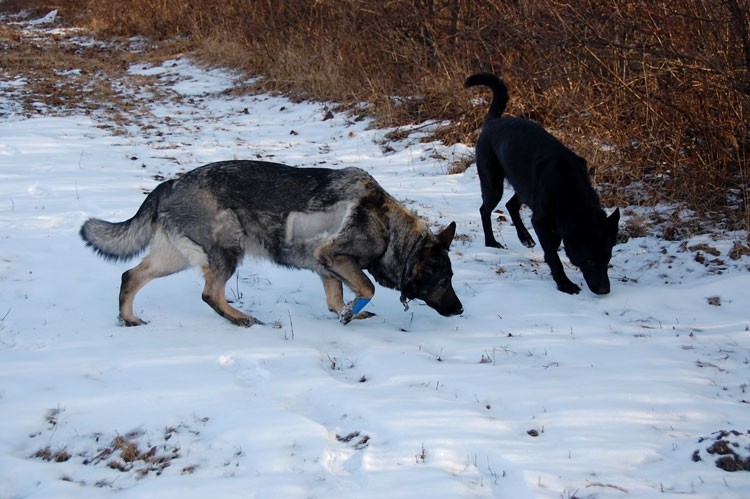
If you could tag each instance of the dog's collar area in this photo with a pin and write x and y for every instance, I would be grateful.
(404, 282)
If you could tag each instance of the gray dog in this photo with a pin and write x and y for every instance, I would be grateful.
(333, 222)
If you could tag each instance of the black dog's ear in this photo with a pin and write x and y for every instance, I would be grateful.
(613, 220)
(446, 235)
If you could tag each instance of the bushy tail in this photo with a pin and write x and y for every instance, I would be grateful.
(499, 91)
(124, 240)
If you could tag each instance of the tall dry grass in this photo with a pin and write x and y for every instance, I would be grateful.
(655, 94)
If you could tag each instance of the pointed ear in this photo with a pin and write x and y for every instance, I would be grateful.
(613, 220)
(446, 236)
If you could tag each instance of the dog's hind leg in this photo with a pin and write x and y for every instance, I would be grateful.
(132, 282)
(514, 209)
(491, 184)
(163, 260)
(215, 295)
(223, 246)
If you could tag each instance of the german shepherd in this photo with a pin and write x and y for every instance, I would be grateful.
(333, 222)
(551, 180)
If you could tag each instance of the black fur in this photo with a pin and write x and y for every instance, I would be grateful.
(551, 180)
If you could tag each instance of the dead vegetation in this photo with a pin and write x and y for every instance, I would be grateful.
(124, 453)
(654, 94)
(136, 454)
(62, 75)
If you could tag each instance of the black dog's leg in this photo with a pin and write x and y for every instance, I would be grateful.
(491, 184)
(550, 242)
(514, 208)
(485, 212)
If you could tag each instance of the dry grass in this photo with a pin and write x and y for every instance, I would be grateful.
(137, 453)
(655, 95)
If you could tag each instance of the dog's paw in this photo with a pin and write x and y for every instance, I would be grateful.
(493, 244)
(345, 317)
(131, 322)
(363, 315)
(529, 243)
(353, 310)
(246, 321)
(569, 287)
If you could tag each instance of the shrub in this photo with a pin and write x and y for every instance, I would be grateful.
(654, 94)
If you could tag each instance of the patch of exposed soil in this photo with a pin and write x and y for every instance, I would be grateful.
(55, 70)
(729, 449)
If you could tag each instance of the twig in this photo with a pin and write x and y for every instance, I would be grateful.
(291, 324)
(611, 486)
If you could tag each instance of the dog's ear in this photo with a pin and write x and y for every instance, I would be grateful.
(613, 220)
(446, 235)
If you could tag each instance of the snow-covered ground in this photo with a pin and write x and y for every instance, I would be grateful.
(529, 393)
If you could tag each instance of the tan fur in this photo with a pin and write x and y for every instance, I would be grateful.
(336, 223)
(214, 295)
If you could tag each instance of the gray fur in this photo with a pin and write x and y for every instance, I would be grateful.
(333, 222)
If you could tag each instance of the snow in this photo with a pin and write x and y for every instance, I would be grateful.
(530, 393)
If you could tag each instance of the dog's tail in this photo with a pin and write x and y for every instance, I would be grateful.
(499, 91)
(124, 240)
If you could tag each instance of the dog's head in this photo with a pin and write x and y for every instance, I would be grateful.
(428, 274)
(589, 244)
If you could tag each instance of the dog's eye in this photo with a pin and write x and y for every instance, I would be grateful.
(444, 282)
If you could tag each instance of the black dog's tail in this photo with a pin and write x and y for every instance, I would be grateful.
(499, 91)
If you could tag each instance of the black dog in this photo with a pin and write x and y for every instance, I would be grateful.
(551, 180)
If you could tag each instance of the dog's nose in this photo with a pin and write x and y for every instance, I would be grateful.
(601, 290)
(597, 283)
(456, 311)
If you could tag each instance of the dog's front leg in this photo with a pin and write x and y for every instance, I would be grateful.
(558, 274)
(334, 293)
(363, 289)
(346, 270)
(335, 300)
(353, 310)
(550, 242)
